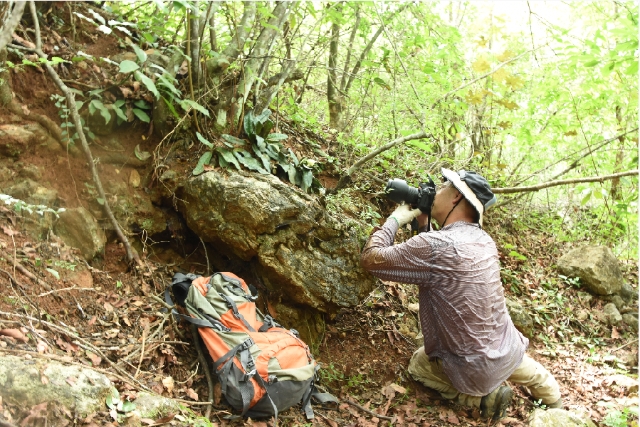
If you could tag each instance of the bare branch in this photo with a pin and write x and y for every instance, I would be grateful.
(508, 190)
(11, 23)
(346, 178)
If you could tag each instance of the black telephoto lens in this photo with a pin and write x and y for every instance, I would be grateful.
(399, 191)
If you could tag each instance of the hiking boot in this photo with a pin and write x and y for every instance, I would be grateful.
(494, 405)
(556, 405)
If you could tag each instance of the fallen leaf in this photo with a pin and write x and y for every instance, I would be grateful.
(134, 179)
(71, 381)
(95, 359)
(217, 393)
(9, 232)
(165, 419)
(41, 347)
(44, 380)
(14, 333)
(38, 411)
(192, 394)
(108, 307)
(168, 383)
(614, 333)
(92, 320)
(126, 92)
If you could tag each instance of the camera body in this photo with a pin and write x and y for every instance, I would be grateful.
(419, 198)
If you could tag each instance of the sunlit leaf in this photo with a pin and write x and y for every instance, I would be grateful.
(128, 66)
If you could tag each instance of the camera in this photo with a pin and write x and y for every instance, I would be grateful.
(421, 198)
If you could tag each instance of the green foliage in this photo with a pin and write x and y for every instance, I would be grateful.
(65, 116)
(620, 418)
(20, 205)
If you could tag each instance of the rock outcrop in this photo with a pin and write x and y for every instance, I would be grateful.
(559, 418)
(308, 258)
(597, 268)
(29, 382)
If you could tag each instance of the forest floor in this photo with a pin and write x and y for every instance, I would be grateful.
(106, 315)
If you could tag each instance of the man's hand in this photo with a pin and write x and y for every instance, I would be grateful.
(404, 214)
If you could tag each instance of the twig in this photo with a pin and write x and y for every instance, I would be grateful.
(132, 255)
(72, 288)
(206, 256)
(205, 366)
(26, 272)
(352, 403)
(624, 345)
(507, 190)
(144, 338)
(81, 342)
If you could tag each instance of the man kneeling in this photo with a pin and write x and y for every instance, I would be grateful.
(470, 343)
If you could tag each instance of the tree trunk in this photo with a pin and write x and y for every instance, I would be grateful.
(333, 96)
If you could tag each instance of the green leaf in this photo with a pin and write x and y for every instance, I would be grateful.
(307, 179)
(265, 160)
(275, 137)
(141, 54)
(204, 140)
(233, 140)
(187, 104)
(100, 201)
(165, 82)
(264, 116)
(141, 155)
(632, 69)
(171, 108)
(294, 176)
(592, 63)
(141, 103)
(141, 115)
(247, 160)
(148, 83)
(260, 142)
(128, 406)
(585, 199)
(420, 145)
(204, 160)
(104, 112)
(249, 128)
(228, 157)
(54, 273)
(296, 162)
(120, 113)
(381, 82)
(128, 66)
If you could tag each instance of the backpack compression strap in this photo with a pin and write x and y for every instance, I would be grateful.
(313, 393)
(243, 380)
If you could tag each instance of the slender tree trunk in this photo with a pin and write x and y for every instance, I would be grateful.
(193, 38)
(333, 95)
(615, 183)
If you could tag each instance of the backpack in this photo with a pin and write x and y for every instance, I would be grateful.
(262, 367)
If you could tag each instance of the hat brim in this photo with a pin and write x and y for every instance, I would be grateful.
(463, 188)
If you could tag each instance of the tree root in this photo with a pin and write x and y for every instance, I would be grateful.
(7, 101)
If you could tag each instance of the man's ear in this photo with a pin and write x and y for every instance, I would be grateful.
(457, 198)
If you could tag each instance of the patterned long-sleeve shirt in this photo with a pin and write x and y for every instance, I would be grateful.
(463, 315)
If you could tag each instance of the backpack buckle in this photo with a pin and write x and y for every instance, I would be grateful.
(249, 375)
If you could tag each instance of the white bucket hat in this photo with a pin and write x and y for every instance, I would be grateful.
(474, 187)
